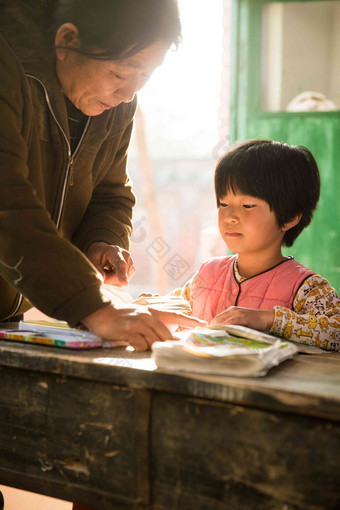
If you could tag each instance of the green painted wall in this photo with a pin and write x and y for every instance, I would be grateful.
(318, 247)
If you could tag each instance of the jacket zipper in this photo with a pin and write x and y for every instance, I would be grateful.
(68, 179)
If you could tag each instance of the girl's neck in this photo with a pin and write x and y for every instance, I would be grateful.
(249, 265)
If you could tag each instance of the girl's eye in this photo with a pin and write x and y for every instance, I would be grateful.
(248, 206)
(222, 204)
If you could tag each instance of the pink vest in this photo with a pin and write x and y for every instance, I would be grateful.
(216, 287)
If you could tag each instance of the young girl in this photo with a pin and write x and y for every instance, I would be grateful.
(266, 193)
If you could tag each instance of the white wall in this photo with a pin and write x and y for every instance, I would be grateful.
(307, 35)
(334, 74)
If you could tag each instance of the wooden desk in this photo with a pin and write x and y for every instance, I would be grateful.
(106, 429)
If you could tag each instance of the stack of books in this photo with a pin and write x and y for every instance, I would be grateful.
(223, 350)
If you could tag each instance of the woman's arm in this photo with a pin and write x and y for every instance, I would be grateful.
(108, 216)
(104, 232)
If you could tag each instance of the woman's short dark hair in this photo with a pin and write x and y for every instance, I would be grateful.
(119, 28)
(285, 176)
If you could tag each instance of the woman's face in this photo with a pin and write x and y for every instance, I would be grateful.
(94, 86)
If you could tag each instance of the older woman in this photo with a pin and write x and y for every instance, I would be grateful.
(69, 73)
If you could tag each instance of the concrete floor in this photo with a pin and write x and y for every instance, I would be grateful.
(22, 500)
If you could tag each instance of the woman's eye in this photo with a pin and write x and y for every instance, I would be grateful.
(116, 75)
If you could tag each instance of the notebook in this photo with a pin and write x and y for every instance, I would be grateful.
(52, 333)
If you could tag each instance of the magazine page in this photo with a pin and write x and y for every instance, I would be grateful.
(262, 335)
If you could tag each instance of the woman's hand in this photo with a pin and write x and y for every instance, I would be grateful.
(136, 325)
(114, 263)
(257, 319)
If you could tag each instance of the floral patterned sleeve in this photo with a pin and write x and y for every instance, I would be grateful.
(315, 318)
(187, 290)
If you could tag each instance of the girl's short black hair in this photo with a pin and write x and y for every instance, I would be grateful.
(285, 176)
(116, 29)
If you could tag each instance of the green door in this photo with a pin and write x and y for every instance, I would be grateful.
(286, 87)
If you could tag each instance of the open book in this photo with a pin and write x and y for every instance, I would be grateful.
(223, 350)
(168, 303)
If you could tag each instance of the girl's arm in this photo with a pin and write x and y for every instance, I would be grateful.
(315, 318)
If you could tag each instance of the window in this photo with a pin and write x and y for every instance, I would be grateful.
(300, 55)
(178, 135)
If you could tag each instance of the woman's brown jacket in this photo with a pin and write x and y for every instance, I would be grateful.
(54, 204)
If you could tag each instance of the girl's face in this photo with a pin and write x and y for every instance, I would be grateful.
(248, 226)
(94, 86)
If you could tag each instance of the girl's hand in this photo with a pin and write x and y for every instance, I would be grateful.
(147, 294)
(114, 263)
(257, 319)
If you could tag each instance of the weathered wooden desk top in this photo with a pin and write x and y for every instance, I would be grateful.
(106, 428)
